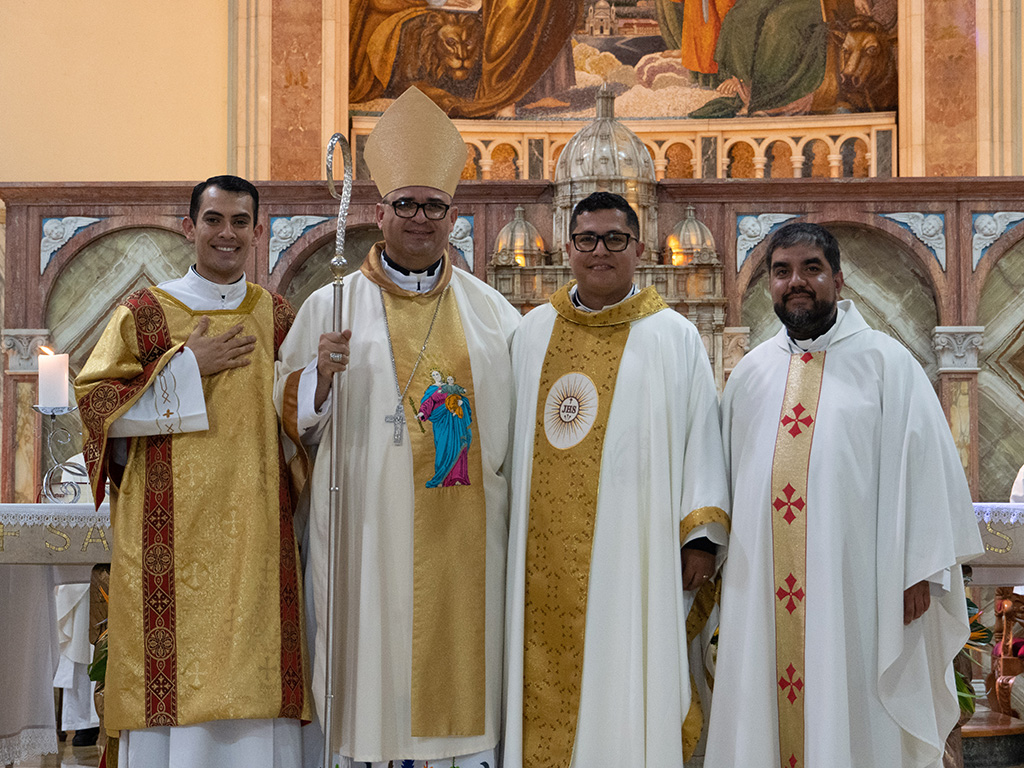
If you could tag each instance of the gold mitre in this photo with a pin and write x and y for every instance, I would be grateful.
(415, 145)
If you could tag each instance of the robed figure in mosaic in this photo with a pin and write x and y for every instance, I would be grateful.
(206, 652)
(843, 600)
(420, 581)
(617, 465)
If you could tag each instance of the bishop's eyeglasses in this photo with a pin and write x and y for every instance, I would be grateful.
(585, 242)
(432, 209)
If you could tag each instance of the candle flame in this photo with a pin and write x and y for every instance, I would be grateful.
(46, 350)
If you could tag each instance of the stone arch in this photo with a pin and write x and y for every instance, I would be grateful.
(816, 163)
(779, 159)
(679, 158)
(102, 273)
(472, 171)
(505, 162)
(856, 162)
(556, 152)
(84, 240)
(741, 156)
(311, 268)
(881, 270)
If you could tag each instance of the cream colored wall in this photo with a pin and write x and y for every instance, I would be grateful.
(114, 90)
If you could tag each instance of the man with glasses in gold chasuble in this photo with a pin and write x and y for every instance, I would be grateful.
(426, 402)
(617, 474)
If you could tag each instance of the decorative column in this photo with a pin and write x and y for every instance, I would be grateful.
(957, 347)
(19, 453)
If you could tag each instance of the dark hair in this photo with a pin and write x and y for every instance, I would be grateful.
(604, 201)
(228, 184)
(809, 234)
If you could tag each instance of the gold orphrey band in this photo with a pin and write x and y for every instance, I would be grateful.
(789, 512)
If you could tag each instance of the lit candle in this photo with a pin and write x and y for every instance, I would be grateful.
(53, 379)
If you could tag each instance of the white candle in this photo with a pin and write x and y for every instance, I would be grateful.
(53, 381)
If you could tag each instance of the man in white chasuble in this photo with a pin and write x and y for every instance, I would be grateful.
(843, 601)
(207, 664)
(618, 515)
(426, 404)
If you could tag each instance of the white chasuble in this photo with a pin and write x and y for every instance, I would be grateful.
(423, 526)
(886, 505)
(617, 461)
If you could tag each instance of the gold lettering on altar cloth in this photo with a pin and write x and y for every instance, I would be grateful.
(101, 539)
(4, 534)
(67, 539)
(789, 513)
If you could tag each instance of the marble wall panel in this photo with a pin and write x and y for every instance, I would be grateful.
(1001, 380)
(25, 420)
(951, 123)
(296, 82)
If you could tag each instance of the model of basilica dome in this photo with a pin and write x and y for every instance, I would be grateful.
(690, 241)
(607, 156)
(518, 242)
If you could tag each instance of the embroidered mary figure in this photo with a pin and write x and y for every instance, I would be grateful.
(446, 407)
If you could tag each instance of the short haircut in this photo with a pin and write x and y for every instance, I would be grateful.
(604, 201)
(807, 234)
(228, 184)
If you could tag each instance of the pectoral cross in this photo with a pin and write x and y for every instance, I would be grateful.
(399, 422)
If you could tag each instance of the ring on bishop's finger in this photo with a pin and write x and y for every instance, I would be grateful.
(336, 357)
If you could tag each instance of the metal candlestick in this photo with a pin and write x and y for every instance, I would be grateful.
(69, 491)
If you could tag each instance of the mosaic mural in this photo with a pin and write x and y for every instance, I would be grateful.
(545, 59)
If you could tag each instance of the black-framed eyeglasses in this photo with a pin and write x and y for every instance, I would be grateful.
(585, 242)
(432, 209)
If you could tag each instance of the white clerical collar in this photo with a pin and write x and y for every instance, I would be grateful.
(576, 302)
(407, 280)
(821, 342)
(197, 292)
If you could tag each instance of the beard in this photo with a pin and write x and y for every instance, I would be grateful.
(806, 323)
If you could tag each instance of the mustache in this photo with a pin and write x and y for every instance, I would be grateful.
(797, 292)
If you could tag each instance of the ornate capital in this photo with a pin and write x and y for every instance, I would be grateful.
(957, 346)
(22, 348)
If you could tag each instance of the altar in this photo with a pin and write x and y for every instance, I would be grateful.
(55, 534)
(63, 534)
(1002, 563)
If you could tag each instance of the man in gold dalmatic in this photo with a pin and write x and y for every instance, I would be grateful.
(426, 403)
(206, 656)
(618, 515)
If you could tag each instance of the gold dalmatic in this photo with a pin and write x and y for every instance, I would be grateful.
(577, 383)
(789, 513)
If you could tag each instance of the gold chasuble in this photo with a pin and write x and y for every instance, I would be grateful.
(577, 383)
(205, 614)
(789, 513)
(432, 364)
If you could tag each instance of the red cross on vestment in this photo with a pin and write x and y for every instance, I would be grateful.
(790, 593)
(789, 503)
(794, 684)
(800, 416)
